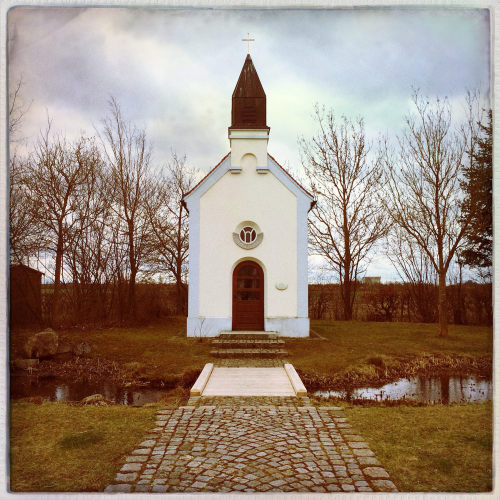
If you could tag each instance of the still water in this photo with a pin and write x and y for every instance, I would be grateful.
(443, 389)
(55, 390)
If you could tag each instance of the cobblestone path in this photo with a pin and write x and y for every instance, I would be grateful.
(277, 444)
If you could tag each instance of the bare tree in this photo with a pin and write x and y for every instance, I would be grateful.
(128, 155)
(347, 220)
(416, 270)
(25, 229)
(89, 253)
(169, 222)
(54, 174)
(422, 194)
(17, 109)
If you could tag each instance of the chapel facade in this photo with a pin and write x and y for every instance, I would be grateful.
(248, 232)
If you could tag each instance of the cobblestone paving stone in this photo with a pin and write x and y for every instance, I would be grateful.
(256, 444)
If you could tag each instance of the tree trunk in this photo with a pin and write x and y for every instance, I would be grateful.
(133, 272)
(443, 306)
(347, 300)
(57, 278)
(180, 310)
(131, 295)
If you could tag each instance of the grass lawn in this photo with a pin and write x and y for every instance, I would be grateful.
(156, 351)
(57, 447)
(351, 343)
(431, 448)
(160, 351)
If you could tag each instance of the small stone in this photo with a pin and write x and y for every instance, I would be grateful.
(142, 451)
(368, 461)
(357, 444)
(376, 472)
(118, 488)
(332, 487)
(277, 483)
(159, 488)
(363, 452)
(131, 467)
(136, 458)
(149, 443)
(125, 478)
(384, 485)
(199, 485)
(348, 487)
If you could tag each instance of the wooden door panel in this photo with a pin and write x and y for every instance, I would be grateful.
(248, 297)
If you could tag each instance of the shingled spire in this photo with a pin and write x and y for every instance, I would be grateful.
(249, 100)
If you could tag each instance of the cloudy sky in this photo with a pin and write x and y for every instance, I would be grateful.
(173, 71)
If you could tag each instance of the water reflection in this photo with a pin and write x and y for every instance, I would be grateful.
(53, 390)
(444, 389)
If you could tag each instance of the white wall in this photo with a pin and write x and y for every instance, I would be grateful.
(260, 198)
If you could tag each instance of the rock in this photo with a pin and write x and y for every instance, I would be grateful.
(64, 347)
(35, 400)
(42, 345)
(95, 399)
(82, 349)
(25, 364)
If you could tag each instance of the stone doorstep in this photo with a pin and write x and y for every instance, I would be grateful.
(247, 342)
(243, 353)
(248, 335)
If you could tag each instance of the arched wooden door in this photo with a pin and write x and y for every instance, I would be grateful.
(248, 296)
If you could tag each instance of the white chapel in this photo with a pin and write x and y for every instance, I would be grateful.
(248, 232)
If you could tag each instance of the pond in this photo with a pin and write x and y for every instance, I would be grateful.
(444, 389)
(55, 390)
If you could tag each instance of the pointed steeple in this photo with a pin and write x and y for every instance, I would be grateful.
(249, 100)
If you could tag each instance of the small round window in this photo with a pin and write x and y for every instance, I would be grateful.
(248, 234)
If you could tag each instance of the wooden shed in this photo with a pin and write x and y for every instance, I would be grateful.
(25, 296)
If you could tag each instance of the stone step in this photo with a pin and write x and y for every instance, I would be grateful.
(247, 343)
(249, 353)
(248, 335)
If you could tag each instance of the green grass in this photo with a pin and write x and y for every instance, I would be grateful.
(57, 447)
(350, 343)
(431, 448)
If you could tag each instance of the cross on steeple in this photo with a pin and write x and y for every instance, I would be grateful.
(248, 40)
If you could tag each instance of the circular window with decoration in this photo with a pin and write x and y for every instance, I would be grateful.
(247, 235)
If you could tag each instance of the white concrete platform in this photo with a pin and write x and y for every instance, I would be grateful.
(248, 381)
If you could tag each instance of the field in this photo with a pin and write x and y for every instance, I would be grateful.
(61, 447)
(57, 447)
(431, 448)
(163, 351)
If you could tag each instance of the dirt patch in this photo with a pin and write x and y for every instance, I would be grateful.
(380, 370)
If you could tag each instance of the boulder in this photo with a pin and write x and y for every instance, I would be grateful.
(63, 347)
(82, 349)
(95, 399)
(25, 364)
(42, 345)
